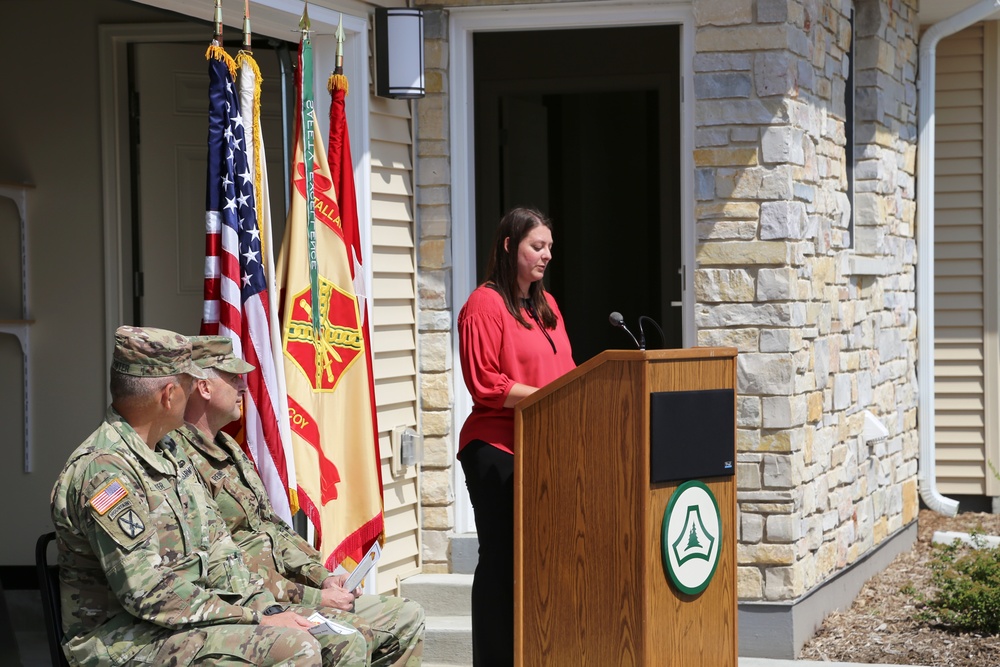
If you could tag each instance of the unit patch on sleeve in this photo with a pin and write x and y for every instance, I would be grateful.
(108, 497)
(125, 523)
(131, 524)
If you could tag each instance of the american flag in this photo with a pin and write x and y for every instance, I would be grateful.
(236, 294)
(107, 497)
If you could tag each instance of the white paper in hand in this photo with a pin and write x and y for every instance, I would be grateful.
(363, 568)
(327, 626)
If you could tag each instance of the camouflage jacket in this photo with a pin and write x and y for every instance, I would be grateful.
(269, 545)
(142, 549)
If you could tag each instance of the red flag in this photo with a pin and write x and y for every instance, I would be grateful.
(342, 174)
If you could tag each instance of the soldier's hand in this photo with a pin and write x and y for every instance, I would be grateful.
(336, 597)
(338, 581)
(287, 619)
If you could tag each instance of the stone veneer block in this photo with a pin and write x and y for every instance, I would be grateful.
(731, 210)
(723, 12)
(741, 38)
(749, 582)
(435, 391)
(717, 285)
(725, 157)
(765, 554)
(743, 253)
(435, 352)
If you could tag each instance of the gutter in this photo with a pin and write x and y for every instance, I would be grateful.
(925, 248)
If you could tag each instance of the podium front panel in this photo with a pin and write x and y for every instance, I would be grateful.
(591, 586)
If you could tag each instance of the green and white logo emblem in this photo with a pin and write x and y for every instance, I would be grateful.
(691, 537)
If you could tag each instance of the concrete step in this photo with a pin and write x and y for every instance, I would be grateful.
(448, 641)
(464, 553)
(440, 594)
(446, 599)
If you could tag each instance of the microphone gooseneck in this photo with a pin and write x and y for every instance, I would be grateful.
(642, 334)
(617, 320)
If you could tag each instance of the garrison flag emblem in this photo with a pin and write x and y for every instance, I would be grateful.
(694, 541)
(340, 344)
(691, 537)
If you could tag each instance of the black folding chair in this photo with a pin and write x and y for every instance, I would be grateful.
(48, 586)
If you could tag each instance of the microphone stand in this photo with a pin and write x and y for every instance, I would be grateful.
(617, 320)
(642, 334)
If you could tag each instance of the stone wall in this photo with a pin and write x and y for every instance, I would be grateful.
(434, 303)
(821, 340)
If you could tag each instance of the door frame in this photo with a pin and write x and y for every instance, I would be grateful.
(113, 43)
(463, 23)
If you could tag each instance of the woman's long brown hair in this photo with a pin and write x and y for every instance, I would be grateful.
(501, 270)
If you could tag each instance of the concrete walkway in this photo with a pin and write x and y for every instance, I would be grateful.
(767, 662)
(763, 662)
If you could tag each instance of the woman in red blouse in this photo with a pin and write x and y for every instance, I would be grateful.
(512, 341)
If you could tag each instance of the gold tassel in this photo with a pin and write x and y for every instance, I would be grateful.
(217, 52)
(337, 82)
(245, 58)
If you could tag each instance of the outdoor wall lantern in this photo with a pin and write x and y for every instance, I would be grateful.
(399, 52)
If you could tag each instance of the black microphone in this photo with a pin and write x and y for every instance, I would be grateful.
(642, 334)
(617, 320)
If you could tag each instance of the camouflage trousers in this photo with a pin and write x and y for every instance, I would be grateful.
(394, 627)
(231, 645)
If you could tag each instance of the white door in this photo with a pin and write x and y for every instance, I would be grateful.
(171, 82)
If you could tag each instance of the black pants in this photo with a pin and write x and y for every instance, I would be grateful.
(489, 475)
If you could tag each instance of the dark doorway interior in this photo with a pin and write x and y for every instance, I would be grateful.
(584, 124)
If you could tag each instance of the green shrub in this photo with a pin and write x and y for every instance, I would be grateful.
(968, 588)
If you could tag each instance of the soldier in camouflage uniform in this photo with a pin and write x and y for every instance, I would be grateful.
(148, 572)
(292, 570)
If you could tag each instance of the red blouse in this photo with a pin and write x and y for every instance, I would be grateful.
(496, 352)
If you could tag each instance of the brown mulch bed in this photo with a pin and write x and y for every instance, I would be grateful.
(881, 628)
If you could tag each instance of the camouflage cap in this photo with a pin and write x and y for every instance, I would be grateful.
(217, 352)
(148, 352)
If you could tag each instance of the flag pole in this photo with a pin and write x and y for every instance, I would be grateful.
(246, 27)
(218, 22)
(309, 158)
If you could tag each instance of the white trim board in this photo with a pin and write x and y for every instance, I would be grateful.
(463, 22)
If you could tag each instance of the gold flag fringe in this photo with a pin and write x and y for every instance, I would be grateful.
(337, 82)
(217, 52)
(246, 58)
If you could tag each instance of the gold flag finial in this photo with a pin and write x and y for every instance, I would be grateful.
(340, 44)
(337, 80)
(305, 25)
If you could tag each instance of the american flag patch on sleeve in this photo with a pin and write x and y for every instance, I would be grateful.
(107, 497)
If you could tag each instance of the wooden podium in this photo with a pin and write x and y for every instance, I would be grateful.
(590, 583)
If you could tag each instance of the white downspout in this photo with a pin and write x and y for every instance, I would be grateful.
(925, 248)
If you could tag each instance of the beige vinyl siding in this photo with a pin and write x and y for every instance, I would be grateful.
(962, 376)
(394, 332)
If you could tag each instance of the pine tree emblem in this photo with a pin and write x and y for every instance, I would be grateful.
(699, 540)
